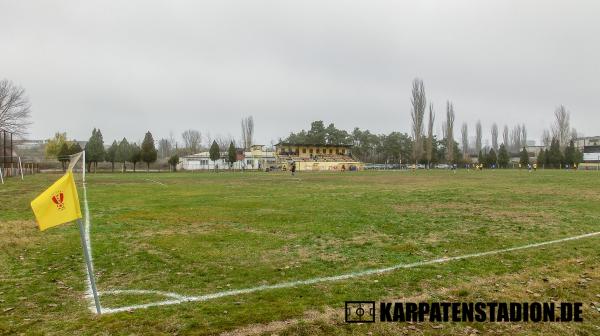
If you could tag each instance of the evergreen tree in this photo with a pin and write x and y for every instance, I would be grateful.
(63, 155)
(94, 149)
(458, 155)
(554, 155)
(149, 152)
(173, 162)
(214, 153)
(570, 154)
(317, 133)
(88, 150)
(123, 153)
(135, 154)
(578, 157)
(524, 158)
(481, 158)
(491, 157)
(503, 157)
(541, 158)
(231, 154)
(75, 147)
(111, 154)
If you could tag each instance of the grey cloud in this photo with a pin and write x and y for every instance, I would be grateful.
(132, 66)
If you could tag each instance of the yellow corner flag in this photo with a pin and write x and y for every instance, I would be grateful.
(57, 205)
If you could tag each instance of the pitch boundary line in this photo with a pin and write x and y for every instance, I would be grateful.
(177, 298)
(154, 181)
(88, 284)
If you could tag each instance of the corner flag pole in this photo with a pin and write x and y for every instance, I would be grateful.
(86, 252)
(21, 168)
(90, 269)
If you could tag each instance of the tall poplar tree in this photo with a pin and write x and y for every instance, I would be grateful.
(149, 152)
(214, 153)
(231, 154)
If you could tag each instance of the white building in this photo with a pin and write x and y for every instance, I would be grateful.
(259, 157)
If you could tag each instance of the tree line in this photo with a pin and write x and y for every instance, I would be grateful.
(422, 146)
(95, 152)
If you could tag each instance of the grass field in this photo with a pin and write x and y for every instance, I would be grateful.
(204, 233)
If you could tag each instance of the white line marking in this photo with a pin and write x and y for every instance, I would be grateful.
(88, 284)
(151, 180)
(143, 292)
(177, 299)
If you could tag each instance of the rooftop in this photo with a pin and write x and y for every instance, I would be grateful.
(313, 145)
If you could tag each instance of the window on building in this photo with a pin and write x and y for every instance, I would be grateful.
(331, 151)
(318, 150)
(311, 151)
(304, 150)
(249, 162)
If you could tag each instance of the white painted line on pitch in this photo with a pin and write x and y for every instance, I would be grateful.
(86, 212)
(151, 180)
(177, 299)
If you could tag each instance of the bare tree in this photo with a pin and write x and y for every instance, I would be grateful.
(495, 137)
(417, 114)
(546, 138)
(505, 137)
(574, 134)
(523, 136)
(516, 136)
(165, 148)
(172, 142)
(478, 137)
(209, 138)
(444, 129)
(430, 135)
(449, 131)
(14, 108)
(464, 132)
(562, 126)
(192, 140)
(247, 131)
(224, 141)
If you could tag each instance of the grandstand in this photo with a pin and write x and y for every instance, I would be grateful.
(316, 157)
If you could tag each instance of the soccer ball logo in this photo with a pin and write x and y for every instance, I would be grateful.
(59, 199)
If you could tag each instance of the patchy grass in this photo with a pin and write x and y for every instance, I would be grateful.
(206, 232)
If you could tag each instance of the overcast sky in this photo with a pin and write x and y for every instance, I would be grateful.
(132, 66)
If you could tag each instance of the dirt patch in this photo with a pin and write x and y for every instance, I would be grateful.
(19, 233)
(489, 211)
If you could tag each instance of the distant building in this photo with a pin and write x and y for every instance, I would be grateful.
(30, 144)
(591, 154)
(316, 157)
(259, 157)
(580, 143)
(534, 150)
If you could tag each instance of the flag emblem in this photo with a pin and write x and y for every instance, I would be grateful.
(59, 199)
(58, 204)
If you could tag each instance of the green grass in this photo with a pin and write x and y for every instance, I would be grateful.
(205, 232)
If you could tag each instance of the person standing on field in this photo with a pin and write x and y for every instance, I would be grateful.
(293, 168)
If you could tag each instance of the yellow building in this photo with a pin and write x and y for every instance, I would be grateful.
(313, 157)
